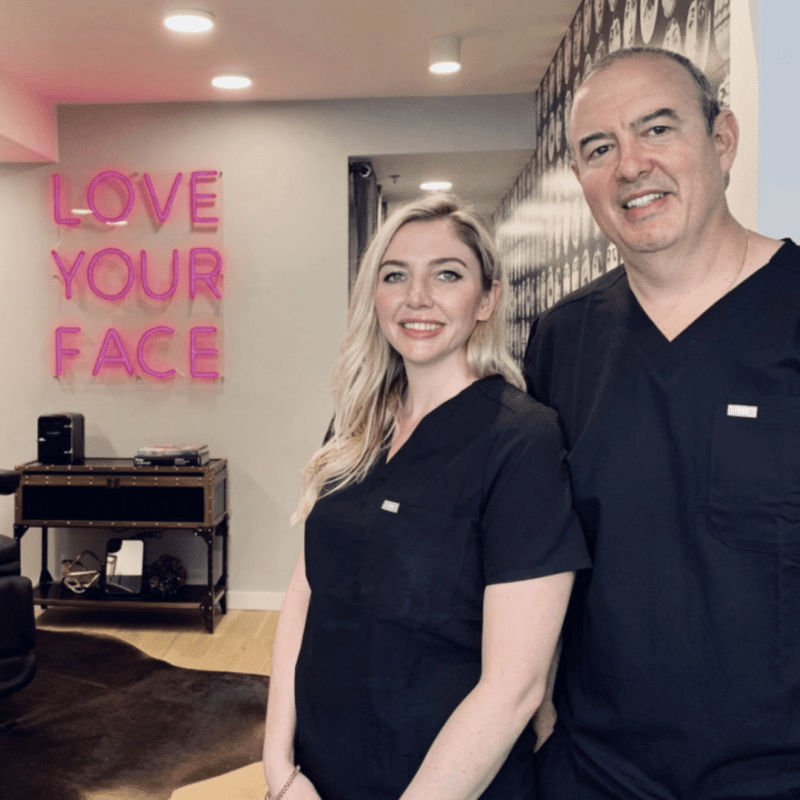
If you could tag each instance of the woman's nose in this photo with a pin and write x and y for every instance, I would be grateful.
(419, 295)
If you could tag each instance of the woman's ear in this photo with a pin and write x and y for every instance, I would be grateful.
(488, 302)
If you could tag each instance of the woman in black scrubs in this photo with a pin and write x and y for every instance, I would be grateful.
(440, 543)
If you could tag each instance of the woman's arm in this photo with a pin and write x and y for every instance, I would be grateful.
(522, 621)
(278, 754)
(544, 720)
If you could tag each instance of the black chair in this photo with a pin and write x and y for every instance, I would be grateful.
(17, 622)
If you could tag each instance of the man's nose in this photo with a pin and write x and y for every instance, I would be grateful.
(633, 159)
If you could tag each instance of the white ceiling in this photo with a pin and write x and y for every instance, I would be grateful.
(479, 178)
(104, 51)
(109, 51)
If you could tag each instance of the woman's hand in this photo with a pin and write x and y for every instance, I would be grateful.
(301, 789)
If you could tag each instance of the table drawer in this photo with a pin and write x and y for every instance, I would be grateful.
(118, 496)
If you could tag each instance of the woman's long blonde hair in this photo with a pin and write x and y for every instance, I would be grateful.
(369, 381)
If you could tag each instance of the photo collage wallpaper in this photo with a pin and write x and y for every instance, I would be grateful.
(548, 239)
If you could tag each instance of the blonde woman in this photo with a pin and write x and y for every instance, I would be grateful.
(440, 542)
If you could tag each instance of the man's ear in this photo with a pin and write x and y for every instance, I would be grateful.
(726, 138)
(573, 165)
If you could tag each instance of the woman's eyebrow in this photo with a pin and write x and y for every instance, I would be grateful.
(396, 262)
(447, 259)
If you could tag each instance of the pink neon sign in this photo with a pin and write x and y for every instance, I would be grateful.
(160, 330)
(153, 295)
(60, 220)
(130, 193)
(113, 352)
(93, 266)
(105, 357)
(196, 352)
(62, 351)
(111, 274)
(199, 275)
(197, 199)
(162, 214)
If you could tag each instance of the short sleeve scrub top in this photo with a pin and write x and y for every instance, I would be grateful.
(398, 564)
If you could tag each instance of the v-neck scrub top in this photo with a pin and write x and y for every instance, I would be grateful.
(680, 671)
(398, 564)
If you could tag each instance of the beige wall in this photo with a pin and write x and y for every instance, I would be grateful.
(284, 211)
(743, 189)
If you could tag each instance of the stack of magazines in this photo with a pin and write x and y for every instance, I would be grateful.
(172, 455)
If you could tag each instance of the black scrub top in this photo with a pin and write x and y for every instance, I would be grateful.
(680, 670)
(398, 564)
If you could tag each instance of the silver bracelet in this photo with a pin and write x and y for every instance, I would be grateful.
(286, 785)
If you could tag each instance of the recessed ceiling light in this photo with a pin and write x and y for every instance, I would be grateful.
(436, 186)
(231, 81)
(187, 20)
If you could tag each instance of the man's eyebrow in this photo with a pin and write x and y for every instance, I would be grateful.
(669, 113)
(592, 137)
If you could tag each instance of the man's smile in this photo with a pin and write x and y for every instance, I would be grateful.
(643, 200)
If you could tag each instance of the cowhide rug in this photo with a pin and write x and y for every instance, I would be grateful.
(103, 719)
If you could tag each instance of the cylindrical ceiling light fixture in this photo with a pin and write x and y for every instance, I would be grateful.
(444, 54)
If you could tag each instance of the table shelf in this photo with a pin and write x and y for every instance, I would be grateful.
(106, 494)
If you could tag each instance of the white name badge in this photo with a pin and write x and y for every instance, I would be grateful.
(751, 412)
(390, 505)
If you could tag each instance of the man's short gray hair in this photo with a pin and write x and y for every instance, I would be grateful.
(709, 105)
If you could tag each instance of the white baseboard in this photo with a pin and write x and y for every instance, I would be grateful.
(255, 601)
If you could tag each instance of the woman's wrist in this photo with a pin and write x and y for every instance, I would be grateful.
(276, 771)
(284, 786)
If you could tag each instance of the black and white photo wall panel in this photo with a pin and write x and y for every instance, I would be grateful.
(550, 243)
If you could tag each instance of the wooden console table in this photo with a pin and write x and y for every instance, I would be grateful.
(106, 493)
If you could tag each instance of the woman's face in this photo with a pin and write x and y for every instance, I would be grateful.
(429, 295)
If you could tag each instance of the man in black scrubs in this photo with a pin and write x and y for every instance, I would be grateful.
(677, 380)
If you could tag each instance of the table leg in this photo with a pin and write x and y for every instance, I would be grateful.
(207, 605)
(207, 610)
(223, 603)
(45, 576)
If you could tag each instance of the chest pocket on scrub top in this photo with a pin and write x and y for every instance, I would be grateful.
(754, 493)
(413, 563)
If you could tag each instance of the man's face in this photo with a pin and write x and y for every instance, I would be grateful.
(651, 174)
